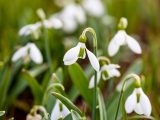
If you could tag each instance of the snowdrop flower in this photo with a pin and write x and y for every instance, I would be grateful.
(30, 51)
(80, 51)
(122, 38)
(93, 7)
(138, 102)
(59, 111)
(30, 29)
(37, 113)
(106, 72)
(71, 16)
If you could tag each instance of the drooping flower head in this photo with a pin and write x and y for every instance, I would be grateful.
(59, 111)
(80, 51)
(122, 38)
(107, 71)
(138, 101)
(28, 52)
(37, 113)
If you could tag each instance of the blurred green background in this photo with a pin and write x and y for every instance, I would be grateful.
(144, 21)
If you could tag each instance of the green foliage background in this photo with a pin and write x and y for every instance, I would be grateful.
(144, 20)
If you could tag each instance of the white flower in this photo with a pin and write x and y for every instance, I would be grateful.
(106, 72)
(35, 117)
(31, 51)
(53, 22)
(122, 38)
(59, 111)
(138, 102)
(80, 51)
(30, 29)
(94, 7)
(72, 15)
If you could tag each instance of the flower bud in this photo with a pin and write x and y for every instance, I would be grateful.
(41, 14)
(123, 23)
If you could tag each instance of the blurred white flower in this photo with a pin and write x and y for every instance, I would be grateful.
(71, 16)
(106, 72)
(53, 22)
(29, 51)
(80, 51)
(138, 102)
(59, 111)
(30, 29)
(122, 38)
(94, 7)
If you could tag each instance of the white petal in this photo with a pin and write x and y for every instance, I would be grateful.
(20, 53)
(114, 73)
(138, 109)
(145, 104)
(53, 22)
(111, 69)
(35, 53)
(116, 42)
(133, 45)
(93, 60)
(94, 7)
(80, 15)
(130, 103)
(91, 83)
(56, 113)
(69, 25)
(28, 29)
(71, 55)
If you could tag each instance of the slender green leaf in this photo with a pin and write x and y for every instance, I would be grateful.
(34, 85)
(102, 109)
(67, 103)
(81, 82)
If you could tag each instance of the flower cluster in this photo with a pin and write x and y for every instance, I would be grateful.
(27, 53)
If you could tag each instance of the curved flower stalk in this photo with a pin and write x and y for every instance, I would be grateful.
(28, 52)
(60, 111)
(122, 38)
(93, 7)
(80, 51)
(37, 113)
(137, 101)
(106, 72)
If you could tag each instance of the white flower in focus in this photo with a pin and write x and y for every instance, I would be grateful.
(29, 51)
(122, 38)
(106, 72)
(71, 16)
(94, 7)
(59, 111)
(138, 102)
(80, 51)
(30, 29)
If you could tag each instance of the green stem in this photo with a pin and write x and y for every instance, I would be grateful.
(128, 77)
(91, 30)
(47, 50)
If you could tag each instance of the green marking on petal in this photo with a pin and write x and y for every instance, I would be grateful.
(138, 97)
(81, 53)
(105, 74)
